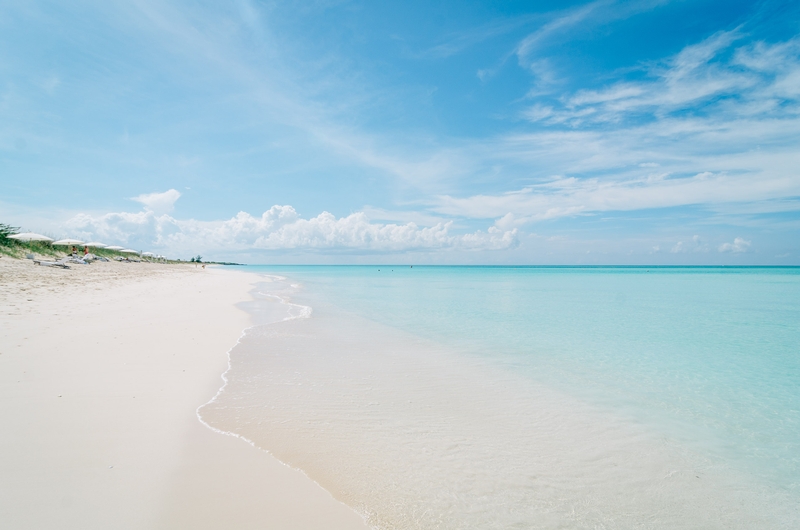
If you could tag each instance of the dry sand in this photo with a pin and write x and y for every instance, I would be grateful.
(102, 368)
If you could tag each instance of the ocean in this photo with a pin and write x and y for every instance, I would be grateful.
(528, 397)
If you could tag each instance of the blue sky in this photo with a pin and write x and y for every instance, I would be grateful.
(368, 132)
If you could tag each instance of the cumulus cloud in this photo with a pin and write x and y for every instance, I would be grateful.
(696, 244)
(159, 203)
(738, 245)
(281, 227)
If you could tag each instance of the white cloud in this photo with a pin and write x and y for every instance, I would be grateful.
(281, 227)
(696, 244)
(738, 245)
(458, 42)
(402, 216)
(778, 62)
(564, 197)
(759, 78)
(159, 203)
(567, 20)
(597, 13)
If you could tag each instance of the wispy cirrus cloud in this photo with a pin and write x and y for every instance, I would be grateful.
(716, 125)
(570, 196)
(530, 50)
(709, 79)
(320, 102)
(456, 43)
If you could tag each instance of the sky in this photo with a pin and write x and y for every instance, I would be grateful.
(538, 132)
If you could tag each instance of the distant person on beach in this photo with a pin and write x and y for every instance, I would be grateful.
(85, 250)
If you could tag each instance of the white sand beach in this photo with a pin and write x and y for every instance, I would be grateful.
(102, 368)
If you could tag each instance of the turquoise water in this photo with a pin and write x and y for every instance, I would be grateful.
(700, 352)
(705, 359)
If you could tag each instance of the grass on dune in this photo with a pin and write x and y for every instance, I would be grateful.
(19, 249)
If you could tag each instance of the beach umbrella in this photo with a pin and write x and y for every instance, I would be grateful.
(129, 251)
(94, 244)
(68, 242)
(115, 247)
(30, 236)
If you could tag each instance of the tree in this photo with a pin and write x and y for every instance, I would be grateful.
(5, 231)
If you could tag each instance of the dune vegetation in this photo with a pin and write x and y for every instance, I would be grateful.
(21, 249)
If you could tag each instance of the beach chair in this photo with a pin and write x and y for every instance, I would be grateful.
(62, 263)
(89, 258)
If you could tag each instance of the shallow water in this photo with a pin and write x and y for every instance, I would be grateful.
(469, 397)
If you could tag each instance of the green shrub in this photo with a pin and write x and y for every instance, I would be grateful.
(5, 231)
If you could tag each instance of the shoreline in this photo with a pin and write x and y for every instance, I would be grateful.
(102, 369)
(392, 423)
(257, 321)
